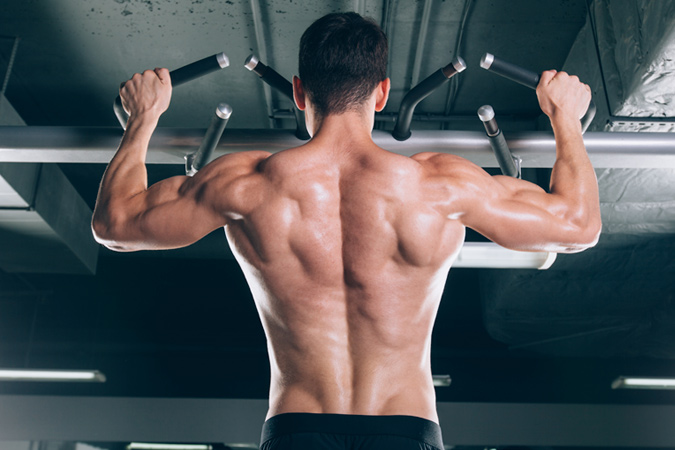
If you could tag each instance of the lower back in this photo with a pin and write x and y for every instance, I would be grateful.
(341, 361)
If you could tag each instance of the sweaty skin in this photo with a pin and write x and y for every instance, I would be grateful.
(346, 246)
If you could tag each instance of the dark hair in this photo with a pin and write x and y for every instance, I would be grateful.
(342, 58)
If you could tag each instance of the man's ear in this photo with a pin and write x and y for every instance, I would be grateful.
(382, 94)
(298, 93)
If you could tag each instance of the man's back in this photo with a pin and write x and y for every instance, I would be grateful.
(347, 261)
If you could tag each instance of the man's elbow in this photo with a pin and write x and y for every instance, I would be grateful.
(106, 232)
(585, 236)
(591, 229)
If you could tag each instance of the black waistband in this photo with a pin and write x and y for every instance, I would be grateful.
(407, 426)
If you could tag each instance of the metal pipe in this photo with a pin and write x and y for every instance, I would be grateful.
(421, 40)
(360, 7)
(180, 76)
(169, 145)
(10, 65)
(197, 160)
(453, 89)
(506, 161)
(273, 79)
(391, 117)
(421, 91)
(528, 79)
(259, 29)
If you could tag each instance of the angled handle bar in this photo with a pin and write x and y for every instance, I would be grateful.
(281, 84)
(180, 76)
(420, 92)
(527, 78)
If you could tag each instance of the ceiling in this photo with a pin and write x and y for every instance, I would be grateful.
(182, 323)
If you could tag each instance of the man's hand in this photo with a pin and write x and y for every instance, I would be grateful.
(147, 95)
(562, 96)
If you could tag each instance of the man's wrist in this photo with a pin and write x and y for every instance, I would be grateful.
(141, 126)
(562, 124)
(141, 121)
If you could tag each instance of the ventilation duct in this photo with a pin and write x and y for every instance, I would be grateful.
(626, 52)
(44, 223)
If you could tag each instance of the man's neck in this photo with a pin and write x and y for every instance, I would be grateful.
(349, 128)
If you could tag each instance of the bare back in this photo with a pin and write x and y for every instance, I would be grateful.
(347, 264)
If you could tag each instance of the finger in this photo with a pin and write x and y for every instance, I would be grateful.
(163, 75)
(546, 77)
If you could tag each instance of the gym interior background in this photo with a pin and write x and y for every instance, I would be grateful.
(531, 354)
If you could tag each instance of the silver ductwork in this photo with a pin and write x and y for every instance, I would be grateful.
(44, 223)
(626, 52)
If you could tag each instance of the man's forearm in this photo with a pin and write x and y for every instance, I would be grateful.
(573, 176)
(126, 175)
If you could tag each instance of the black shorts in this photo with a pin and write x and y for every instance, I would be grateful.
(302, 431)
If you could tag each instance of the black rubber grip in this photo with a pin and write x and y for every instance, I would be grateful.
(515, 73)
(529, 79)
(194, 70)
(272, 77)
(178, 76)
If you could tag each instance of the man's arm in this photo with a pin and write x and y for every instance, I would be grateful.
(174, 212)
(520, 215)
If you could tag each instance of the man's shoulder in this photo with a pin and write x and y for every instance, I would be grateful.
(443, 162)
(247, 161)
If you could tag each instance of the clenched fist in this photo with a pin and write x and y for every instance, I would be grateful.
(563, 96)
(147, 94)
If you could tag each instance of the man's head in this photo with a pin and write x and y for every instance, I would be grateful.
(343, 57)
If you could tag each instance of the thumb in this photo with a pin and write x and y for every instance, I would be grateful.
(546, 77)
(163, 75)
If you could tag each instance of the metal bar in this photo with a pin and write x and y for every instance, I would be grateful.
(636, 120)
(420, 92)
(388, 26)
(498, 142)
(281, 84)
(10, 65)
(421, 40)
(528, 119)
(527, 78)
(453, 89)
(169, 145)
(256, 12)
(360, 7)
(180, 76)
(201, 157)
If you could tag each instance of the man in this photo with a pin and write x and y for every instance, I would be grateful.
(345, 246)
